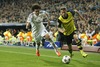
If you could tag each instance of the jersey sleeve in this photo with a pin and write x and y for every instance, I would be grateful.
(59, 23)
(72, 11)
(29, 18)
(46, 15)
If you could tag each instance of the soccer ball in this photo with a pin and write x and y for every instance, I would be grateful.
(66, 59)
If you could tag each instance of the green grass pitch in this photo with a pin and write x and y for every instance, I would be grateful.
(18, 56)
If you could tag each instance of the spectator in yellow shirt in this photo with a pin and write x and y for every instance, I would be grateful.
(21, 36)
(7, 35)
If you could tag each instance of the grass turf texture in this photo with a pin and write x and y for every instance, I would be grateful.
(17, 56)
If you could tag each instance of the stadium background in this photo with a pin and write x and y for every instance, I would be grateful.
(13, 15)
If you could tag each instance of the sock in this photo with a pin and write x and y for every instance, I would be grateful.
(81, 51)
(70, 51)
(37, 46)
(53, 44)
(80, 46)
(70, 48)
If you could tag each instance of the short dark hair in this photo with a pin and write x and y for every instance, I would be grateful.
(35, 6)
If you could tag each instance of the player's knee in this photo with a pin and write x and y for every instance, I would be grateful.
(38, 43)
(75, 36)
(47, 36)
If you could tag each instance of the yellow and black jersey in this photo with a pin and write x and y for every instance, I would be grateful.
(67, 23)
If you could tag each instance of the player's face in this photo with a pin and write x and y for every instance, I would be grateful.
(36, 11)
(63, 13)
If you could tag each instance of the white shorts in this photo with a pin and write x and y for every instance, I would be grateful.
(40, 35)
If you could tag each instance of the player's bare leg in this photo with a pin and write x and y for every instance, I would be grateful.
(55, 48)
(47, 37)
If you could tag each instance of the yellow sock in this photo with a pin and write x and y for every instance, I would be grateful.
(81, 51)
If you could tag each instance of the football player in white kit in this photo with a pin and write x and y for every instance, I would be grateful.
(38, 29)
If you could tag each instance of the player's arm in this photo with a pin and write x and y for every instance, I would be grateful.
(29, 20)
(27, 25)
(47, 16)
(80, 16)
(60, 29)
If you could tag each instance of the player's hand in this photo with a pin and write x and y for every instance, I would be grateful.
(27, 27)
(75, 10)
(64, 33)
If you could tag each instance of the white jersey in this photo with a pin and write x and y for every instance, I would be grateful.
(36, 23)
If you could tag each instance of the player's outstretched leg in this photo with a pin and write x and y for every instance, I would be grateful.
(81, 49)
(55, 48)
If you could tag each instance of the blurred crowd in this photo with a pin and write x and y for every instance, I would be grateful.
(16, 11)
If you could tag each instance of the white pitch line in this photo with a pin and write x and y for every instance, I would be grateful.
(46, 56)
(27, 53)
(43, 49)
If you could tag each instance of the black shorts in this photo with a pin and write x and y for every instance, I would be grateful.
(63, 38)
